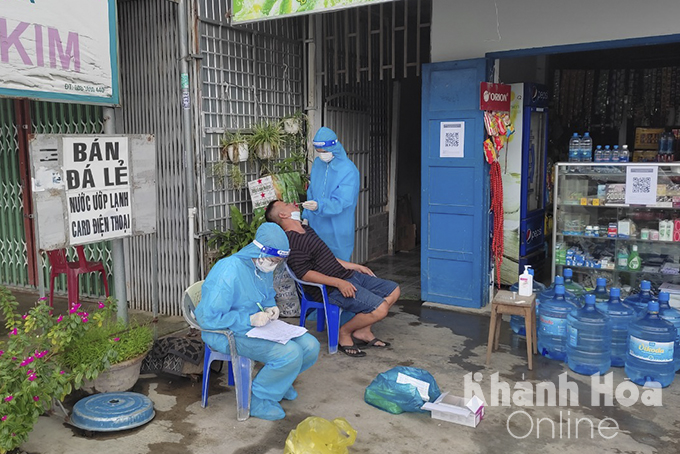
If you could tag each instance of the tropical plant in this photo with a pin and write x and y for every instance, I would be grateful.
(234, 146)
(236, 178)
(266, 140)
(241, 233)
(33, 371)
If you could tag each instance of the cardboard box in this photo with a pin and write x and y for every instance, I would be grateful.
(647, 138)
(455, 409)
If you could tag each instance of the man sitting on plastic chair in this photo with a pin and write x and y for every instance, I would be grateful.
(232, 294)
(353, 287)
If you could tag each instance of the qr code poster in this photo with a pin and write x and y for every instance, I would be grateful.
(641, 184)
(452, 139)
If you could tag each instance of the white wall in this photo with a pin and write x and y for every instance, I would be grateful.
(468, 28)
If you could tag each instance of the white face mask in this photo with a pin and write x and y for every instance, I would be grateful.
(326, 157)
(265, 265)
(295, 216)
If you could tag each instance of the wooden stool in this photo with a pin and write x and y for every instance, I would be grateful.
(524, 306)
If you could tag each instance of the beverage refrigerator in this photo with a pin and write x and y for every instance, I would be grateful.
(523, 166)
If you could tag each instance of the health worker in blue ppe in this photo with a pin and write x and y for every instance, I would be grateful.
(332, 194)
(238, 294)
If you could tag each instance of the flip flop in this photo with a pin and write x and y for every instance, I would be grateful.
(351, 350)
(372, 343)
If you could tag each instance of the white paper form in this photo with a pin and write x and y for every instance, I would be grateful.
(277, 331)
(423, 387)
(452, 139)
(641, 184)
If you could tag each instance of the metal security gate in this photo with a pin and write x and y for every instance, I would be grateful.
(249, 74)
(346, 115)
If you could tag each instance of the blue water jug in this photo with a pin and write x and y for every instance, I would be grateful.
(621, 316)
(589, 339)
(517, 322)
(572, 287)
(672, 315)
(650, 349)
(552, 325)
(601, 293)
(639, 300)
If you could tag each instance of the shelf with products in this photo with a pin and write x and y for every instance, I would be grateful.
(596, 231)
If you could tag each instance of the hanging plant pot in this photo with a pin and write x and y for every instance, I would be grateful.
(265, 151)
(291, 125)
(232, 153)
(242, 152)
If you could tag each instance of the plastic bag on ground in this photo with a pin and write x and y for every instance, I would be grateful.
(317, 435)
(392, 392)
(286, 294)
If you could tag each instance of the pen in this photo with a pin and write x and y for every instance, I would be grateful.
(260, 306)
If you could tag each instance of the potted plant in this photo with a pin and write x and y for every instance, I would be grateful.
(235, 146)
(127, 347)
(32, 367)
(242, 232)
(266, 140)
(236, 178)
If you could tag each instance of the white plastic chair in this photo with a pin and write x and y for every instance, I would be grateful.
(240, 368)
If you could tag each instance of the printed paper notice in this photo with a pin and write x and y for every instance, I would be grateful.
(423, 387)
(641, 184)
(451, 139)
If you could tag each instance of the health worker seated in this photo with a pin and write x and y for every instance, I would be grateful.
(238, 294)
(351, 286)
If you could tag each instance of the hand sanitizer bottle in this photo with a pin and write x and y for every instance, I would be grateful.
(526, 282)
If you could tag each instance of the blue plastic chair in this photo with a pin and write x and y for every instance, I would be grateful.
(327, 314)
(243, 379)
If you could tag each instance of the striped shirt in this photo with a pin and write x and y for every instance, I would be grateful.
(308, 252)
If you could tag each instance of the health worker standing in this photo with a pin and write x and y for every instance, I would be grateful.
(332, 194)
(238, 294)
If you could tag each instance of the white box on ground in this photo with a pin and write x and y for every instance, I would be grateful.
(455, 409)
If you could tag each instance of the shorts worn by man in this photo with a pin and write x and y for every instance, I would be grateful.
(351, 286)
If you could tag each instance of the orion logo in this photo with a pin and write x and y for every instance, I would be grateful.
(533, 234)
(502, 97)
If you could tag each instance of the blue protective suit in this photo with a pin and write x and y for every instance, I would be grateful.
(335, 187)
(230, 295)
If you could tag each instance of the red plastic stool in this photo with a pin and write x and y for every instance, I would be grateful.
(60, 265)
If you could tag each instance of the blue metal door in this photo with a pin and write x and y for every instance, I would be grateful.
(455, 261)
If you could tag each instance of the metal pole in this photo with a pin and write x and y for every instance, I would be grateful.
(186, 133)
(392, 200)
(117, 251)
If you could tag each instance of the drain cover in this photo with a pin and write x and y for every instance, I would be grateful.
(110, 412)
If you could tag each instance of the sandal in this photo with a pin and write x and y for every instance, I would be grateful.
(351, 350)
(372, 343)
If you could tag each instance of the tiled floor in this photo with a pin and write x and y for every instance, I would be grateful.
(403, 268)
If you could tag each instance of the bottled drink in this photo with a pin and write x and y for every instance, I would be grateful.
(549, 293)
(589, 339)
(576, 289)
(574, 148)
(634, 261)
(601, 293)
(607, 154)
(673, 316)
(586, 148)
(621, 316)
(552, 325)
(651, 347)
(615, 154)
(624, 155)
(668, 154)
(517, 322)
(598, 154)
(639, 300)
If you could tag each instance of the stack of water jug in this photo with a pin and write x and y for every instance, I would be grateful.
(594, 331)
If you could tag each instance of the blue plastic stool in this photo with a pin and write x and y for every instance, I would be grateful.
(327, 314)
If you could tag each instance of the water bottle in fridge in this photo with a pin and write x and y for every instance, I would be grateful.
(586, 148)
(599, 154)
(615, 154)
(624, 155)
(607, 154)
(574, 148)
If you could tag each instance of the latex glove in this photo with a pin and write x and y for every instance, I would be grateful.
(272, 312)
(259, 318)
(305, 222)
(310, 205)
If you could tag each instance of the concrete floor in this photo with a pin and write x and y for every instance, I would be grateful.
(447, 343)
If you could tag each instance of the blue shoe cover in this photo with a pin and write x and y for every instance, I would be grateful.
(266, 409)
(291, 394)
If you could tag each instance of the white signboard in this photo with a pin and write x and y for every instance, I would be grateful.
(452, 139)
(262, 192)
(97, 183)
(641, 185)
(65, 50)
